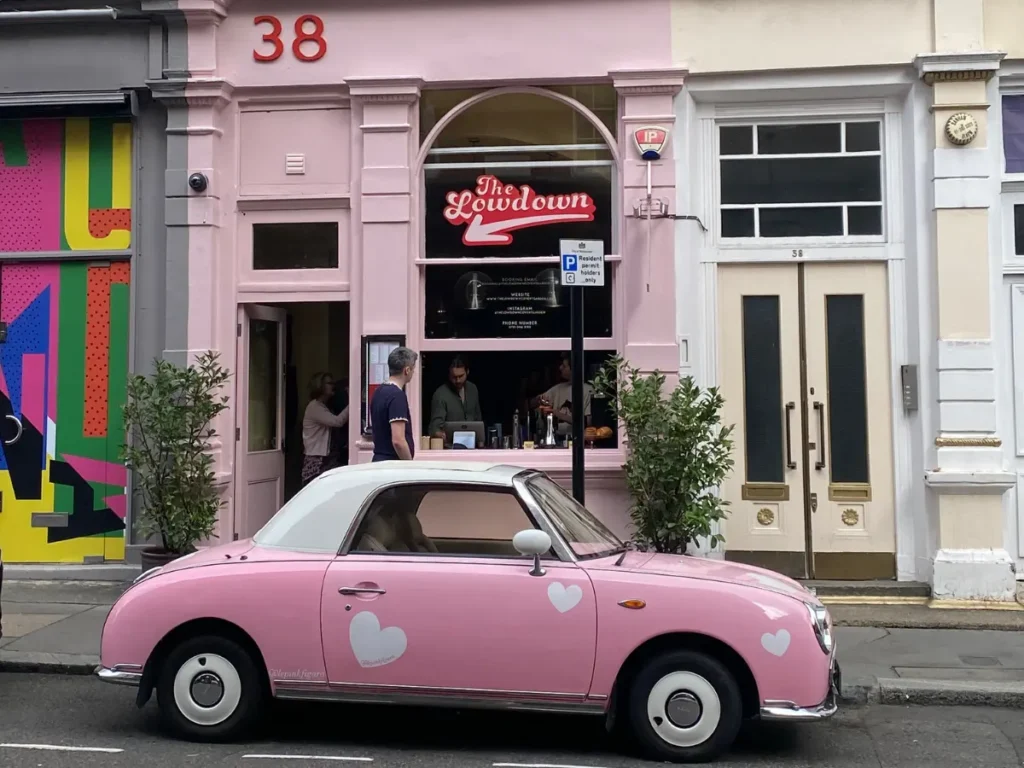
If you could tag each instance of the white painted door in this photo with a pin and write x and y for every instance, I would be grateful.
(850, 394)
(759, 377)
(804, 367)
(261, 399)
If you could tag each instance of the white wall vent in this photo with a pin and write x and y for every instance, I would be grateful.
(294, 165)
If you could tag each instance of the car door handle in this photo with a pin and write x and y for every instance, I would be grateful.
(362, 590)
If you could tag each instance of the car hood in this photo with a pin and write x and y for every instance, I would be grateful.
(708, 569)
(210, 555)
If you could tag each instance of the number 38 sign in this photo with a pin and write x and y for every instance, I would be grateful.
(308, 30)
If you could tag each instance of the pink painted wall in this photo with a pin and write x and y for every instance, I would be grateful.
(360, 103)
(453, 41)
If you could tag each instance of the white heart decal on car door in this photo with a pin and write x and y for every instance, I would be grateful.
(373, 646)
(564, 598)
(776, 644)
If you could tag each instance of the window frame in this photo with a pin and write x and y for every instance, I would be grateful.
(539, 521)
(765, 118)
(1016, 179)
(613, 259)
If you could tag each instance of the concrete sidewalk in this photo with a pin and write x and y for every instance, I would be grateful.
(913, 655)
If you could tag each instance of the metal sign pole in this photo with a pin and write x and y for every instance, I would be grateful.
(578, 410)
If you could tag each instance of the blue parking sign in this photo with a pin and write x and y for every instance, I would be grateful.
(569, 262)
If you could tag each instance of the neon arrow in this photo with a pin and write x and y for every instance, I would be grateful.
(495, 232)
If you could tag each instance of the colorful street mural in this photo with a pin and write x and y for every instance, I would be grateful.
(65, 185)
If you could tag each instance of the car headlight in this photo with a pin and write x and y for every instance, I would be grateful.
(822, 623)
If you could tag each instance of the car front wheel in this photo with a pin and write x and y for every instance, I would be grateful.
(685, 707)
(210, 690)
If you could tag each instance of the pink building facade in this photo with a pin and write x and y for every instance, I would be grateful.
(325, 144)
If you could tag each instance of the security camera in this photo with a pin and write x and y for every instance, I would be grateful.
(198, 182)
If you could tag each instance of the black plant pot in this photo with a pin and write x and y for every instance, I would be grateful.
(154, 557)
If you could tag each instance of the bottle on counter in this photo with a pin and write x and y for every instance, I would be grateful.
(516, 434)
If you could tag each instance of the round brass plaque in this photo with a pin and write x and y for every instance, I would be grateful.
(850, 517)
(765, 516)
(961, 128)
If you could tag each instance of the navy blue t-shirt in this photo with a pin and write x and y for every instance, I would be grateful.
(389, 404)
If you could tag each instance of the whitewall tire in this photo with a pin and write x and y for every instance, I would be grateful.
(684, 707)
(210, 689)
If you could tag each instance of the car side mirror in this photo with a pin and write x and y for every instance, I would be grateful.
(532, 542)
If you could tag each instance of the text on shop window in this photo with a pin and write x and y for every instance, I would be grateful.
(308, 29)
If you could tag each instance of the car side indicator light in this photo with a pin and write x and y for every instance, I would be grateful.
(636, 605)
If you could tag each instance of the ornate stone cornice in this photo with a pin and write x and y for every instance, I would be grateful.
(968, 442)
(641, 82)
(191, 93)
(958, 67)
(397, 90)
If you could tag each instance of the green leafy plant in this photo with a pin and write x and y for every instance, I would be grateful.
(168, 417)
(678, 454)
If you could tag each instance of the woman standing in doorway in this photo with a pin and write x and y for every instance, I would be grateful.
(317, 423)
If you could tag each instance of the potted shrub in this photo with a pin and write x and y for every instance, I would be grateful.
(168, 418)
(678, 453)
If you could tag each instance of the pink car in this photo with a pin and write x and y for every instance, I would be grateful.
(469, 585)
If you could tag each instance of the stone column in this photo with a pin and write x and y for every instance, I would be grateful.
(385, 295)
(968, 479)
(648, 248)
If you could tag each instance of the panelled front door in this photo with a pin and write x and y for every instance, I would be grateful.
(804, 370)
(261, 395)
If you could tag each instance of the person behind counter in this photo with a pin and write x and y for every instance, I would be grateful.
(456, 400)
(317, 423)
(559, 397)
(390, 418)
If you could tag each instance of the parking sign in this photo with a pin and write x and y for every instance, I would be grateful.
(582, 262)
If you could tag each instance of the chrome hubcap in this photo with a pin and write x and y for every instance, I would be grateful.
(683, 709)
(207, 689)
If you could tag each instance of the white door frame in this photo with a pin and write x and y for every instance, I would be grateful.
(910, 511)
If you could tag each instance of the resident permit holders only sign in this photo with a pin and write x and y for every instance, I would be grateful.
(582, 262)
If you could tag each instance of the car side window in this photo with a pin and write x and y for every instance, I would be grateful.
(445, 520)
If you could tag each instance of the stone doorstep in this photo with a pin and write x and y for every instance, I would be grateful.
(118, 572)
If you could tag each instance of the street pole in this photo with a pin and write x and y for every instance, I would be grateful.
(578, 411)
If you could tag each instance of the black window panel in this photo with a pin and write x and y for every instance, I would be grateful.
(736, 140)
(847, 389)
(863, 137)
(762, 390)
(811, 138)
(295, 246)
(801, 222)
(1018, 230)
(738, 222)
(864, 220)
(802, 180)
(510, 301)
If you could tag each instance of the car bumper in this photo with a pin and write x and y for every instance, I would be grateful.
(789, 712)
(120, 675)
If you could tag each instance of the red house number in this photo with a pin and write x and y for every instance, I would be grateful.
(302, 35)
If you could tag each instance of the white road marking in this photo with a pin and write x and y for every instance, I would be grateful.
(59, 748)
(540, 765)
(309, 757)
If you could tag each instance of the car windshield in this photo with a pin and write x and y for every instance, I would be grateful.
(586, 535)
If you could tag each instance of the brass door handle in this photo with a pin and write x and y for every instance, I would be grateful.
(790, 464)
(820, 408)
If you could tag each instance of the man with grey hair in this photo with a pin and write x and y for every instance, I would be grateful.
(390, 419)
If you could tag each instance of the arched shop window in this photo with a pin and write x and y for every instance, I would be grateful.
(503, 182)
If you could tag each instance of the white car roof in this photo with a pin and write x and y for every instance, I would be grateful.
(441, 471)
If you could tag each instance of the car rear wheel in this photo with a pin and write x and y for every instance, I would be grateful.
(210, 689)
(684, 707)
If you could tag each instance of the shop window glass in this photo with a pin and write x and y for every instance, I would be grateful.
(305, 245)
(507, 383)
(801, 180)
(1013, 133)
